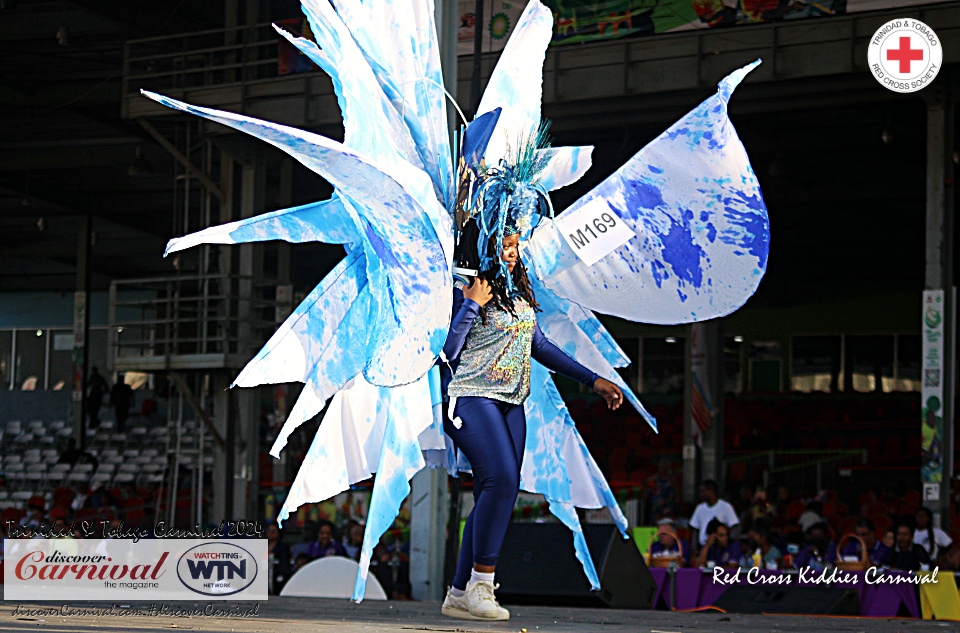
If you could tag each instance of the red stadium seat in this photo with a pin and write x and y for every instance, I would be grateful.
(795, 509)
(10, 514)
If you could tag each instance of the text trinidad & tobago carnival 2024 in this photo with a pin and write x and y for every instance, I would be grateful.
(103, 529)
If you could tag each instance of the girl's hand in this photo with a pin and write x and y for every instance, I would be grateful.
(610, 392)
(479, 291)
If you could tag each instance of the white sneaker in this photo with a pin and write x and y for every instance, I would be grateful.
(477, 603)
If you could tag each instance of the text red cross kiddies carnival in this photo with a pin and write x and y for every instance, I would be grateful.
(905, 54)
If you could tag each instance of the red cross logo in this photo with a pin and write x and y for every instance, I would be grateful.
(905, 54)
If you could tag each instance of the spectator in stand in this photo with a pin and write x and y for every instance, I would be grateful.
(930, 538)
(811, 517)
(950, 559)
(879, 553)
(760, 539)
(121, 398)
(34, 517)
(760, 507)
(743, 507)
(711, 507)
(906, 554)
(783, 499)
(279, 558)
(96, 388)
(326, 544)
(820, 550)
(300, 561)
(73, 455)
(354, 540)
(669, 544)
(869, 499)
(718, 550)
(890, 539)
(663, 497)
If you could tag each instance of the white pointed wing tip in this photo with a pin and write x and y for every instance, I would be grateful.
(172, 247)
(282, 31)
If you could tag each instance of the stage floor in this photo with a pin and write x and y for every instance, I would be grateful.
(300, 615)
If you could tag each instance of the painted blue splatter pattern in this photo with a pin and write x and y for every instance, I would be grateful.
(702, 233)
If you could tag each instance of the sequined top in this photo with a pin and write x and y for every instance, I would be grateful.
(495, 360)
(492, 359)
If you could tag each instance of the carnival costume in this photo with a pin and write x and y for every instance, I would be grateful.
(370, 335)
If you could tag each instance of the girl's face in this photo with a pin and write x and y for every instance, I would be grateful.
(511, 251)
(923, 519)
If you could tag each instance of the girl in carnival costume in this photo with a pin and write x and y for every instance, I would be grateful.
(692, 238)
(493, 337)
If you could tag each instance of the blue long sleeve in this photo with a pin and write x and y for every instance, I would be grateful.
(464, 312)
(555, 359)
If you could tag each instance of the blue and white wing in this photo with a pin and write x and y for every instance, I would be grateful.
(557, 464)
(374, 122)
(516, 83)
(578, 332)
(565, 166)
(399, 42)
(325, 221)
(406, 265)
(701, 229)
(367, 429)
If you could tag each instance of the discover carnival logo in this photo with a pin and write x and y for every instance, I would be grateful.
(217, 569)
(58, 566)
(123, 569)
(905, 55)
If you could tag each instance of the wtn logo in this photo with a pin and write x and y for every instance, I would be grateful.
(224, 569)
(220, 569)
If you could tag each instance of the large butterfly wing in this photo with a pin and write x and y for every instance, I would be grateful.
(701, 232)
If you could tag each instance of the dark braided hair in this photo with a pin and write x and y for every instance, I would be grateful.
(466, 255)
(498, 288)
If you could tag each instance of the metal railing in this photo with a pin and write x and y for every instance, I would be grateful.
(155, 320)
(811, 470)
(203, 58)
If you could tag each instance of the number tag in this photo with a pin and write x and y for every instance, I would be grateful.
(594, 231)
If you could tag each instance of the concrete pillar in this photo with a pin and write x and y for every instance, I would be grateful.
(428, 525)
(690, 475)
(428, 534)
(249, 267)
(941, 112)
(221, 506)
(712, 451)
(81, 331)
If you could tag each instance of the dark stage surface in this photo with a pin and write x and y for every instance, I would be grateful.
(299, 615)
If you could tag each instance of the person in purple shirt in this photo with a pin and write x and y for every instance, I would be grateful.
(820, 551)
(325, 545)
(879, 553)
(718, 550)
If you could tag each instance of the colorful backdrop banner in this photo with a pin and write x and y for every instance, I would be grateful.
(593, 20)
(931, 393)
(499, 18)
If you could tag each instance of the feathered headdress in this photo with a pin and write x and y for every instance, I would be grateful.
(497, 201)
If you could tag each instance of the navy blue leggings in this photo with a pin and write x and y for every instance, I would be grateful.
(492, 438)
